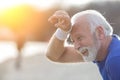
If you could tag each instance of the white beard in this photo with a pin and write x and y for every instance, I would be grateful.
(91, 50)
(92, 53)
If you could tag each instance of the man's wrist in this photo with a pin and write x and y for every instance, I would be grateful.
(60, 34)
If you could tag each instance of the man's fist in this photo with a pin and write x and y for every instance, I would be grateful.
(61, 19)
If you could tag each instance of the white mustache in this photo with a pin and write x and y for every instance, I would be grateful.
(82, 50)
(87, 53)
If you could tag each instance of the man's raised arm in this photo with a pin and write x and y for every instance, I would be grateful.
(56, 50)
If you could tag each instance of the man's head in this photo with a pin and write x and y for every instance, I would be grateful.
(89, 28)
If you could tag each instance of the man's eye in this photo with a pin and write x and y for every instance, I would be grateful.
(79, 38)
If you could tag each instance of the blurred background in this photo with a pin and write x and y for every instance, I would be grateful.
(25, 32)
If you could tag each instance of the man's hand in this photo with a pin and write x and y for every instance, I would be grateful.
(61, 19)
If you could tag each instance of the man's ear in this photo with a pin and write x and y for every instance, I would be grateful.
(100, 32)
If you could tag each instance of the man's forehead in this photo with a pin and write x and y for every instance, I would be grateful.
(80, 21)
(80, 26)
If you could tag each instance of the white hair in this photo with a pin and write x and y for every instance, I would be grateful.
(95, 19)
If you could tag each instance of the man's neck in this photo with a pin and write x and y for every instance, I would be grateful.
(103, 52)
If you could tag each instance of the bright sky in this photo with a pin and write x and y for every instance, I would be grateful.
(10, 7)
(40, 3)
(76, 2)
